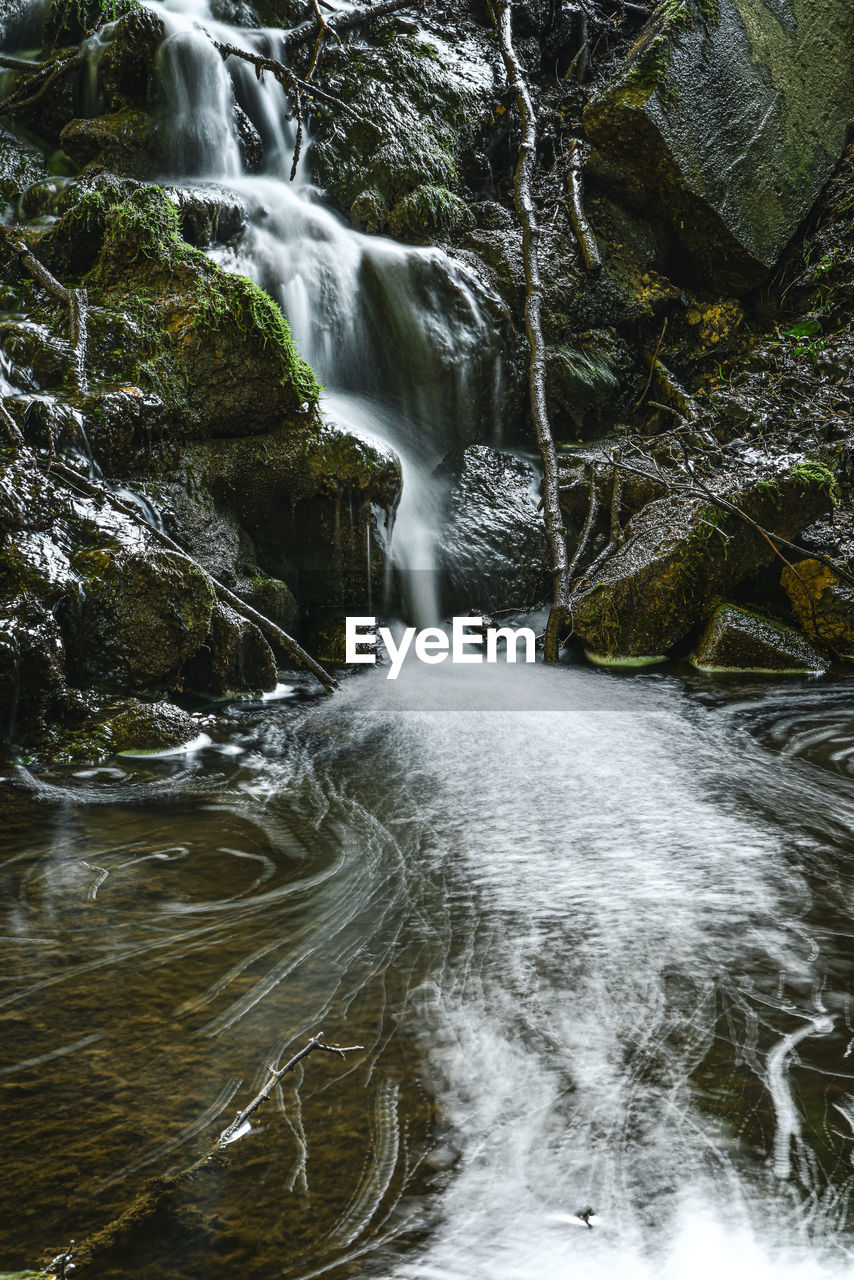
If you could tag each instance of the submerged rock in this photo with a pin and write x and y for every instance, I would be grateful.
(682, 555)
(149, 726)
(824, 604)
(739, 640)
(492, 551)
(727, 119)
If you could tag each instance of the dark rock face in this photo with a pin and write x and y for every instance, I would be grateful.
(234, 656)
(32, 683)
(309, 502)
(492, 545)
(739, 640)
(682, 555)
(727, 120)
(824, 604)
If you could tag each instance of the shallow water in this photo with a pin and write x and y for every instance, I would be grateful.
(593, 933)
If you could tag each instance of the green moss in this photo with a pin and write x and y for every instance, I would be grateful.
(814, 473)
(647, 71)
(224, 298)
(429, 210)
(69, 20)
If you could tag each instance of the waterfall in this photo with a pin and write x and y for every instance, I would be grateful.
(404, 340)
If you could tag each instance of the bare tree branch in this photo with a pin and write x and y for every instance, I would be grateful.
(501, 14)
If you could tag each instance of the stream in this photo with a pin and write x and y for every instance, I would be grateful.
(593, 931)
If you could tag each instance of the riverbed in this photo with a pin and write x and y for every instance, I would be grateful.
(593, 932)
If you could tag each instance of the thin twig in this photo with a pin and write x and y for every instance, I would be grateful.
(653, 363)
(315, 1043)
(501, 12)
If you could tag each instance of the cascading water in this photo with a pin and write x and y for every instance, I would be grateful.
(405, 341)
(593, 933)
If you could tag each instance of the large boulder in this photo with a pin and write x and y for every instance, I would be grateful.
(683, 555)
(726, 120)
(741, 640)
(141, 615)
(492, 551)
(824, 604)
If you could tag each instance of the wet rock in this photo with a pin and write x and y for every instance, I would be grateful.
(140, 617)
(32, 681)
(248, 140)
(21, 164)
(427, 97)
(209, 214)
(726, 121)
(149, 726)
(492, 544)
(312, 502)
(823, 603)
(234, 657)
(212, 536)
(43, 360)
(740, 640)
(682, 555)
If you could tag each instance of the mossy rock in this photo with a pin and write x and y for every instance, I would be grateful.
(682, 554)
(272, 598)
(426, 109)
(213, 346)
(726, 121)
(427, 212)
(823, 603)
(739, 639)
(150, 726)
(140, 617)
(127, 141)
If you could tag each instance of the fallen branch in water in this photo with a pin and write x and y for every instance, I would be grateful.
(315, 1043)
(281, 638)
(587, 245)
(155, 1192)
(500, 12)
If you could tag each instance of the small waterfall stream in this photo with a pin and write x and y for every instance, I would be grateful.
(594, 933)
(406, 341)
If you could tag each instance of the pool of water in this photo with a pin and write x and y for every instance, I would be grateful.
(594, 933)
